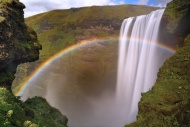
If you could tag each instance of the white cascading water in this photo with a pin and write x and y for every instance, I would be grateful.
(139, 60)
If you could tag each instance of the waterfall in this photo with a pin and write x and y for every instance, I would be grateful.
(139, 60)
(88, 99)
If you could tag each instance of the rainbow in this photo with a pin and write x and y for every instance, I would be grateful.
(60, 54)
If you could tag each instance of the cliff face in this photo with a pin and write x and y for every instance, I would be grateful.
(168, 102)
(176, 22)
(18, 42)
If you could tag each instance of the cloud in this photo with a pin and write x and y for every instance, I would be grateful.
(38, 6)
(160, 3)
(164, 1)
(35, 6)
(156, 3)
(143, 2)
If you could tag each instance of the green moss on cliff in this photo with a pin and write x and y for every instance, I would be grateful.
(18, 44)
(44, 114)
(177, 11)
(176, 22)
(11, 111)
(34, 112)
(12, 3)
(168, 103)
(20, 39)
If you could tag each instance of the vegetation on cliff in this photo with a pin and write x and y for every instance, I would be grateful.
(43, 114)
(35, 112)
(175, 24)
(168, 102)
(19, 44)
(177, 18)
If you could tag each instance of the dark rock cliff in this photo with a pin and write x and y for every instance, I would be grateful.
(175, 24)
(18, 42)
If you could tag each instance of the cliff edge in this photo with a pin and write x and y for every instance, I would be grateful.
(168, 102)
(19, 44)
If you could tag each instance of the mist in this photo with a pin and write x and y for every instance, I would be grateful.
(82, 85)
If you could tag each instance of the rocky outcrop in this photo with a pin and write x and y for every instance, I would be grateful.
(44, 114)
(168, 102)
(176, 22)
(18, 42)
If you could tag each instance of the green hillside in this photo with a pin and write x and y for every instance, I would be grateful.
(59, 29)
(167, 104)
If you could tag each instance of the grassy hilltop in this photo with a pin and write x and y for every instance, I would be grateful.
(59, 29)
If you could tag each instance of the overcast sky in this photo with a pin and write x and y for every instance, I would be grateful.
(38, 6)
